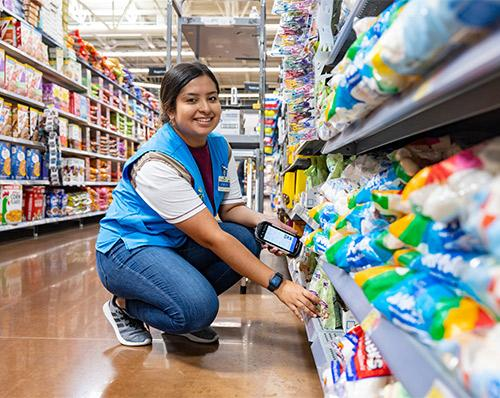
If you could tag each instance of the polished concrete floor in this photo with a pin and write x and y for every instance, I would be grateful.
(55, 341)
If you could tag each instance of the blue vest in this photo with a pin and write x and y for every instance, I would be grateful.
(131, 219)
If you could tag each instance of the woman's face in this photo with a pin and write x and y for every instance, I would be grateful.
(197, 110)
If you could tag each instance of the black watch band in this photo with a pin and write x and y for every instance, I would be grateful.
(275, 282)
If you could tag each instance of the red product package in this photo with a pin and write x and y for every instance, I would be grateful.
(366, 360)
(34, 203)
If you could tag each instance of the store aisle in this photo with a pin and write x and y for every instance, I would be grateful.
(55, 342)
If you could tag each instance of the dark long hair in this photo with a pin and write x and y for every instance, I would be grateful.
(175, 79)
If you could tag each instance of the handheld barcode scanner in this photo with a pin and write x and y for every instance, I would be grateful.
(287, 242)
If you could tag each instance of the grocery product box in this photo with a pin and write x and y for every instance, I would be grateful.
(5, 118)
(18, 160)
(63, 132)
(11, 201)
(33, 164)
(5, 161)
(75, 136)
(73, 171)
(35, 118)
(2, 68)
(10, 83)
(33, 203)
(20, 122)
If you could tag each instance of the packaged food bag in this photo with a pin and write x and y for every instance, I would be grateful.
(362, 219)
(423, 34)
(356, 252)
(376, 280)
(481, 216)
(330, 311)
(425, 306)
(441, 191)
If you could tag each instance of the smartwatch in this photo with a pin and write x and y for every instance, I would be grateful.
(275, 282)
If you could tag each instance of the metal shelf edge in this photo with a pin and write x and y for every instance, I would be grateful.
(44, 221)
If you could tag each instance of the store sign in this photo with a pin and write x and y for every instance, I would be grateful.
(157, 70)
(253, 87)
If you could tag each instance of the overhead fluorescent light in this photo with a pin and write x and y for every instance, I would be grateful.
(144, 54)
(219, 70)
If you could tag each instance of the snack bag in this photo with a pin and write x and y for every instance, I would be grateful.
(424, 33)
(389, 203)
(357, 252)
(481, 217)
(385, 180)
(441, 190)
(425, 306)
(324, 214)
(366, 360)
(475, 274)
(475, 351)
(362, 219)
(376, 280)
(330, 312)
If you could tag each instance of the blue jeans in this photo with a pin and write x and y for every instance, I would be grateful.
(173, 290)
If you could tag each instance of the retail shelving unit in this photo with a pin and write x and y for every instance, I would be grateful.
(415, 365)
(459, 90)
(230, 38)
(44, 221)
(141, 114)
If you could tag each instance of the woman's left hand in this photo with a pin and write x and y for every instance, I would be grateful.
(277, 223)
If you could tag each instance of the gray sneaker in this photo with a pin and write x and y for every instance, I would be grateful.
(129, 331)
(204, 336)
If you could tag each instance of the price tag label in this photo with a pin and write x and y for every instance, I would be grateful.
(371, 322)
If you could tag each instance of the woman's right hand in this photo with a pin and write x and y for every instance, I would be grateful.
(298, 299)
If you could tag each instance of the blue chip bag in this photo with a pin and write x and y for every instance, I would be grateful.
(357, 252)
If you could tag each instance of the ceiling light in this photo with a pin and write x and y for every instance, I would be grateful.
(218, 70)
(147, 85)
(144, 54)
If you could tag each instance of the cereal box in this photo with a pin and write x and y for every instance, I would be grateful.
(63, 132)
(34, 203)
(35, 117)
(20, 75)
(33, 164)
(20, 122)
(18, 159)
(11, 200)
(5, 163)
(2, 68)
(10, 74)
(6, 119)
(75, 136)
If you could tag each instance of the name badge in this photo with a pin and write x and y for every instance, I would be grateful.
(224, 184)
